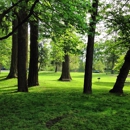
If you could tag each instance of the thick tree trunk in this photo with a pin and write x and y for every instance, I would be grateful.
(33, 66)
(118, 87)
(13, 67)
(88, 66)
(65, 75)
(89, 51)
(22, 53)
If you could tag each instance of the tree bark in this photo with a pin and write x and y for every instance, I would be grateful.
(119, 84)
(33, 66)
(89, 50)
(88, 66)
(13, 67)
(65, 75)
(22, 53)
(56, 67)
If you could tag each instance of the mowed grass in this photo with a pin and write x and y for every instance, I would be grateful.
(56, 105)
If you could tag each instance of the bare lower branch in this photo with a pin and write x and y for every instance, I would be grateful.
(22, 22)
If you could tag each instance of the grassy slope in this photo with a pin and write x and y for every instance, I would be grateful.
(59, 105)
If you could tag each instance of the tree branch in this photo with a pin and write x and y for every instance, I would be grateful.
(22, 22)
(8, 10)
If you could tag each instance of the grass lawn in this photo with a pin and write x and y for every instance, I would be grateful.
(56, 105)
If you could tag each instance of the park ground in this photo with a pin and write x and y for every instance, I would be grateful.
(56, 105)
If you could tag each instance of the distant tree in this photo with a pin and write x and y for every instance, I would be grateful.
(44, 59)
(68, 43)
(107, 52)
(99, 66)
(56, 55)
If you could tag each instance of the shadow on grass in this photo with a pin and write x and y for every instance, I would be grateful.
(78, 76)
(108, 84)
(69, 109)
(8, 89)
(2, 78)
(127, 83)
(47, 73)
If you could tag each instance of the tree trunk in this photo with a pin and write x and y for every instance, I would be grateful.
(22, 53)
(65, 75)
(118, 86)
(13, 67)
(88, 66)
(33, 66)
(56, 67)
(90, 48)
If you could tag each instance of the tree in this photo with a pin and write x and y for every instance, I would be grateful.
(22, 51)
(119, 21)
(90, 48)
(65, 75)
(23, 15)
(13, 67)
(56, 16)
(69, 43)
(119, 84)
(33, 65)
(56, 55)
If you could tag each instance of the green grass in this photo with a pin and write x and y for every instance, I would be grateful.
(56, 105)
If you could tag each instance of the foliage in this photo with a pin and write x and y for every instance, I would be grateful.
(9, 11)
(5, 53)
(44, 56)
(5, 19)
(69, 12)
(118, 20)
(99, 66)
(61, 105)
(119, 63)
(55, 16)
(67, 43)
(56, 53)
(108, 52)
(74, 63)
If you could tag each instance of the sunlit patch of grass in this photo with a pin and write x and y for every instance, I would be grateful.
(56, 105)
